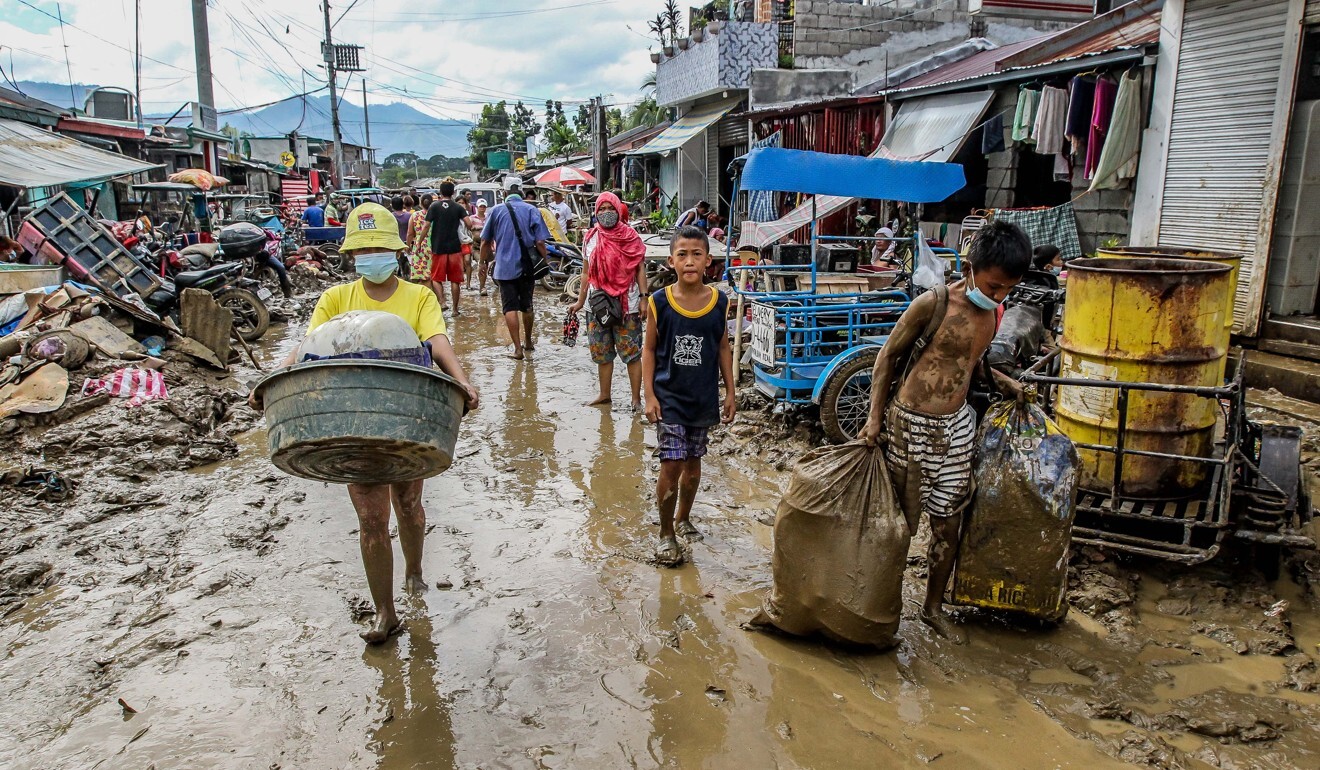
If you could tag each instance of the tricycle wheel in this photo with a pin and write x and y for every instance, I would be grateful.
(334, 260)
(251, 318)
(845, 402)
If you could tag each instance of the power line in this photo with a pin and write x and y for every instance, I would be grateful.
(103, 40)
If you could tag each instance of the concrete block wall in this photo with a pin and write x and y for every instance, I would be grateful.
(831, 28)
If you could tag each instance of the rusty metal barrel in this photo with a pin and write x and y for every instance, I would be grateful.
(1143, 320)
(1201, 255)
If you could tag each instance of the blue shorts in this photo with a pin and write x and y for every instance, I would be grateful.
(682, 442)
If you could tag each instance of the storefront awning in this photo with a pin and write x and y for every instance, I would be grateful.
(934, 127)
(931, 128)
(31, 157)
(685, 128)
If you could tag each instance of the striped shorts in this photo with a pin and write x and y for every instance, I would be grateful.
(940, 449)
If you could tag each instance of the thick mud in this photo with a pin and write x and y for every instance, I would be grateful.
(189, 606)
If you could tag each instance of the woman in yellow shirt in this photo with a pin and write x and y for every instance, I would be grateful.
(372, 240)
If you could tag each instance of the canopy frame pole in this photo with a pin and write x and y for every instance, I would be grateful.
(736, 278)
(9, 212)
(812, 254)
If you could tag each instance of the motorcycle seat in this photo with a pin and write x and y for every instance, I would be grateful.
(194, 277)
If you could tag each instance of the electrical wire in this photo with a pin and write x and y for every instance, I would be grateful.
(103, 40)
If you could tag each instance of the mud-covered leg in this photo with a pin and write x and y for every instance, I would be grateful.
(372, 503)
(941, 556)
(411, 516)
(687, 494)
(666, 498)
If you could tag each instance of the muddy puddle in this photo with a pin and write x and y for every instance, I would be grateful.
(221, 603)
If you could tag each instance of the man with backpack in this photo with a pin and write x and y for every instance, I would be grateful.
(514, 232)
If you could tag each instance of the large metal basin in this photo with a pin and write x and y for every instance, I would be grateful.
(361, 421)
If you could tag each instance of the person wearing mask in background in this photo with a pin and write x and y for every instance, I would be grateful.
(314, 215)
(374, 246)
(419, 243)
(615, 265)
(882, 252)
(510, 228)
(447, 217)
(332, 211)
(563, 213)
(1047, 259)
(399, 206)
(697, 216)
(483, 265)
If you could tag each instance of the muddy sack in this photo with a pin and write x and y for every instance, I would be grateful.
(841, 545)
(1014, 549)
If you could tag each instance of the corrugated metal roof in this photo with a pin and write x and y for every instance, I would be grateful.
(976, 65)
(31, 157)
(1141, 31)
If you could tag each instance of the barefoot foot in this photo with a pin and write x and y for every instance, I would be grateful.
(382, 628)
(944, 626)
(516, 355)
(598, 400)
(414, 584)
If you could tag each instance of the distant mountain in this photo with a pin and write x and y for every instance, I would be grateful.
(395, 127)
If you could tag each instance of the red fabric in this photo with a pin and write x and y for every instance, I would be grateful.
(618, 252)
(447, 267)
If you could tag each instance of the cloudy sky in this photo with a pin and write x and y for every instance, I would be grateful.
(444, 58)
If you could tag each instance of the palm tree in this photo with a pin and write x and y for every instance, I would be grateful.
(561, 139)
(645, 113)
(648, 82)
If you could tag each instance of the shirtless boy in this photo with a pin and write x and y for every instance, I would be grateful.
(929, 426)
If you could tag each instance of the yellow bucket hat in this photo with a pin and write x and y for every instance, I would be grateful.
(371, 226)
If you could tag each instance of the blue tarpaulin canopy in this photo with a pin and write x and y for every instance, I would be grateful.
(852, 176)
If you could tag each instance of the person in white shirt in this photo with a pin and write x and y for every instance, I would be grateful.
(561, 210)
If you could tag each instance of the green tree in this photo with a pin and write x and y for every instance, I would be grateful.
(645, 113)
(400, 160)
(563, 141)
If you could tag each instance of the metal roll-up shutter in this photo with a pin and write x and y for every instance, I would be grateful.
(1219, 150)
(713, 169)
(734, 130)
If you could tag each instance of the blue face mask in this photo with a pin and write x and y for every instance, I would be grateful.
(976, 296)
(377, 266)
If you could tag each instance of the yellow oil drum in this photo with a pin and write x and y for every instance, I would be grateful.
(1160, 252)
(1143, 320)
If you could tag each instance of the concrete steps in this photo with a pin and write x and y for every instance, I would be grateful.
(1293, 377)
(1297, 336)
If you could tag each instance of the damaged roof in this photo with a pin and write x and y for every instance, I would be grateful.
(32, 157)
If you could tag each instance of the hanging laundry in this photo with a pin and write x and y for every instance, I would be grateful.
(1063, 168)
(761, 203)
(1056, 226)
(992, 135)
(1118, 159)
(1051, 117)
(1081, 103)
(1025, 117)
(1105, 92)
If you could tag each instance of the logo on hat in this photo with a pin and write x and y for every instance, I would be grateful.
(366, 221)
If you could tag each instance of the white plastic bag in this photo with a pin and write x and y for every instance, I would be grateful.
(930, 268)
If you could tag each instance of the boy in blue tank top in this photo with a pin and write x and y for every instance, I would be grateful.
(685, 353)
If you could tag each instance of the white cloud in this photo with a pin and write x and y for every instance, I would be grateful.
(451, 56)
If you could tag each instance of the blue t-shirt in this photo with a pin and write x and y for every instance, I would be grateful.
(687, 358)
(499, 228)
(314, 216)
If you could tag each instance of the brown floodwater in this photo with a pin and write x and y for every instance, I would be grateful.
(224, 615)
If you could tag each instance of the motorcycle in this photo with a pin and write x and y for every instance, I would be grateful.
(227, 282)
(260, 250)
(565, 263)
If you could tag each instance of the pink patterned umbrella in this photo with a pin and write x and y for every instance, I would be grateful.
(565, 176)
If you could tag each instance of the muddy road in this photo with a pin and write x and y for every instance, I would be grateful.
(222, 603)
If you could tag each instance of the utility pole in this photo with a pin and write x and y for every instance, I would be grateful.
(371, 154)
(202, 48)
(137, 61)
(602, 158)
(338, 175)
